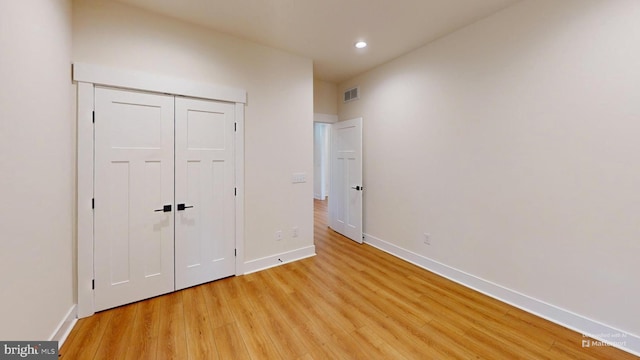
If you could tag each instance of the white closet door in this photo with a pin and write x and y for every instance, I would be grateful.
(134, 170)
(205, 199)
(345, 198)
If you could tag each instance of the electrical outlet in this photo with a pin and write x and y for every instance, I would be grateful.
(427, 239)
(278, 235)
(294, 232)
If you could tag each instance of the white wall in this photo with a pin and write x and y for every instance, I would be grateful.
(36, 163)
(278, 117)
(325, 97)
(515, 143)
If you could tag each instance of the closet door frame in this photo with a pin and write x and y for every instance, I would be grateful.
(86, 77)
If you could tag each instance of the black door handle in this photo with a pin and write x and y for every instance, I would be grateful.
(183, 206)
(358, 187)
(166, 208)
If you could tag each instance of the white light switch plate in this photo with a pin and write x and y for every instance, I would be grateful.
(298, 178)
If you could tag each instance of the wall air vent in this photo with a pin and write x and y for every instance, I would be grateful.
(351, 94)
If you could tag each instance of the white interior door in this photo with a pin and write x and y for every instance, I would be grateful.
(345, 191)
(133, 187)
(205, 173)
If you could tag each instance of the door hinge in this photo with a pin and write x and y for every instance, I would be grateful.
(93, 203)
(235, 127)
(93, 117)
(235, 252)
(93, 284)
(235, 191)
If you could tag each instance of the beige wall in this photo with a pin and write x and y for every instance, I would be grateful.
(325, 97)
(36, 163)
(515, 143)
(278, 118)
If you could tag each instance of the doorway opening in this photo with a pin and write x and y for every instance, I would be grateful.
(321, 142)
(321, 166)
(338, 174)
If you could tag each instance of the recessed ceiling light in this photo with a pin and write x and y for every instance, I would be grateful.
(361, 45)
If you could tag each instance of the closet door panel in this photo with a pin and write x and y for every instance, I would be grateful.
(205, 199)
(134, 180)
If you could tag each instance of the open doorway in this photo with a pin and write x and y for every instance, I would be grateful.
(325, 113)
(346, 186)
(321, 181)
(321, 166)
(338, 175)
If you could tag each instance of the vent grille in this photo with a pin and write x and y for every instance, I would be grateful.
(351, 94)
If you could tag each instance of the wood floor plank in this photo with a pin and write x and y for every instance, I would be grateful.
(279, 277)
(448, 341)
(259, 344)
(407, 305)
(278, 302)
(487, 346)
(351, 301)
(286, 342)
(334, 297)
(316, 340)
(115, 340)
(317, 308)
(86, 337)
(410, 341)
(306, 357)
(229, 342)
(198, 330)
(219, 314)
(374, 345)
(343, 346)
(146, 330)
(172, 343)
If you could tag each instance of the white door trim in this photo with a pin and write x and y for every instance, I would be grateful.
(84, 198)
(87, 76)
(137, 80)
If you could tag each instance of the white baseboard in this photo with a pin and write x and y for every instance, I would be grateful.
(279, 259)
(64, 327)
(606, 334)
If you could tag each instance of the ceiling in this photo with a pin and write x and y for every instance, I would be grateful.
(326, 30)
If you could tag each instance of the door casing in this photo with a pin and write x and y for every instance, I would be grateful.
(86, 77)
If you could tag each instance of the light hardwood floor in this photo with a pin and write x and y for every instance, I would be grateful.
(349, 302)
